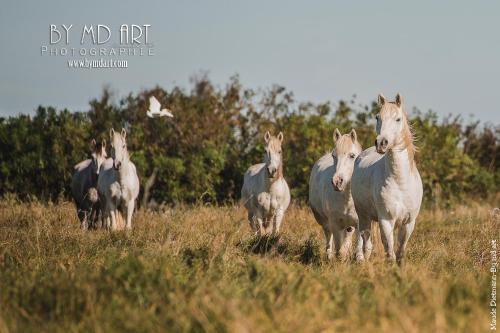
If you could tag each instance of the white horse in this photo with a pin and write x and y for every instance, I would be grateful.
(84, 183)
(386, 185)
(265, 193)
(118, 183)
(330, 193)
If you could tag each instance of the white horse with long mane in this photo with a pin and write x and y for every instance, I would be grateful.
(330, 193)
(386, 185)
(265, 193)
(118, 183)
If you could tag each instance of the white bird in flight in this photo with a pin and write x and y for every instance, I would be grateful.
(154, 109)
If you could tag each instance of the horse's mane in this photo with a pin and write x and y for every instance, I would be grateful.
(83, 164)
(409, 141)
(408, 133)
(275, 144)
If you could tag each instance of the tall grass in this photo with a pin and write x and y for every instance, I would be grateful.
(198, 269)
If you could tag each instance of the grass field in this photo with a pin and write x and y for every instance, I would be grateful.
(197, 269)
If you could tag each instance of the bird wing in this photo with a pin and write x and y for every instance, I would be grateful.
(166, 112)
(154, 105)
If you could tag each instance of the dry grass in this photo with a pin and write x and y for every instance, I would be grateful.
(198, 269)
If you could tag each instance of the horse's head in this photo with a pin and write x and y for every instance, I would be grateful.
(98, 155)
(118, 148)
(392, 126)
(347, 148)
(273, 156)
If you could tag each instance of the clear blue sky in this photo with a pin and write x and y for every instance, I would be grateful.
(441, 55)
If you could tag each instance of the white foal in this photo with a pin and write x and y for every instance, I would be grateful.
(386, 185)
(330, 193)
(265, 193)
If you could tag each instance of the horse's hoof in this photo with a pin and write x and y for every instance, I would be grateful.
(390, 259)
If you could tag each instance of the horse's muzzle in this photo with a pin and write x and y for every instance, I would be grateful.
(338, 183)
(271, 171)
(381, 145)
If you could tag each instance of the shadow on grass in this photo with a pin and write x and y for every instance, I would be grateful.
(306, 252)
(261, 244)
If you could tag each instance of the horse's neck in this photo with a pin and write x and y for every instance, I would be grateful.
(91, 177)
(347, 195)
(124, 171)
(398, 164)
(268, 182)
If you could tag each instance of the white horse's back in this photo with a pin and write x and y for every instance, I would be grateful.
(253, 182)
(82, 165)
(320, 186)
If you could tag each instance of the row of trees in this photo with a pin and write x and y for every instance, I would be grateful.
(202, 153)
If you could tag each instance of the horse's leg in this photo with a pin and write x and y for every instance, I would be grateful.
(85, 221)
(345, 243)
(260, 221)
(113, 211)
(364, 246)
(130, 211)
(80, 212)
(251, 221)
(328, 238)
(92, 217)
(268, 222)
(278, 219)
(106, 214)
(387, 235)
(337, 237)
(98, 217)
(268, 225)
(404, 234)
(359, 247)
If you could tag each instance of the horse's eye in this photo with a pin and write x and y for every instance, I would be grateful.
(352, 155)
(399, 119)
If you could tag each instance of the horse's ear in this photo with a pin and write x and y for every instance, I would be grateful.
(381, 99)
(93, 144)
(111, 134)
(354, 136)
(399, 100)
(280, 136)
(336, 135)
(267, 136)
(123, 133)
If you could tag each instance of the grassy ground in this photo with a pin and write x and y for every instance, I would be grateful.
(196, 269)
